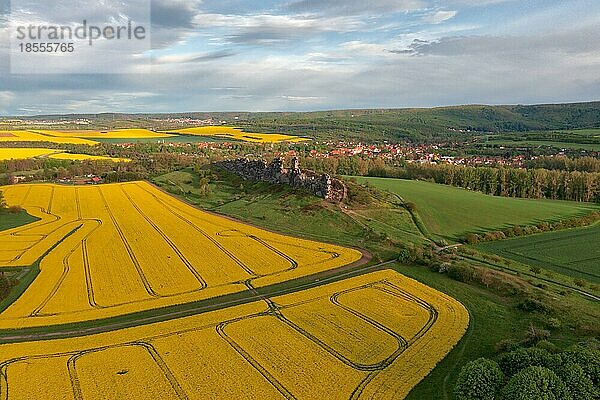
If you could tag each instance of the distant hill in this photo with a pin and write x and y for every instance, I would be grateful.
(414, 124)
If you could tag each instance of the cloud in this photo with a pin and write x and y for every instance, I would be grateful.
(354, 7)
(192, 58)
(270, 29)
(174, 14)
(575, 41)
(440, 16)
(6, 99)
(303, 55)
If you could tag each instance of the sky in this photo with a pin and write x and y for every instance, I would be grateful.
(301, 55)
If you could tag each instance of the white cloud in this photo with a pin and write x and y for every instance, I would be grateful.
(6, 98)
(440, 16)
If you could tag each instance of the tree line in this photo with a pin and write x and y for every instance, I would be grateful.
(511, 182)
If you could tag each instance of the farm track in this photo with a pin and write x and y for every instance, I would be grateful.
(168, 313)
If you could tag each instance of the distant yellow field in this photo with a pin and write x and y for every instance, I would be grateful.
(84, 157)
(24, 153)
(373, 337)
(28, 136)
(238, 134)
(112, 134)
(130, 247)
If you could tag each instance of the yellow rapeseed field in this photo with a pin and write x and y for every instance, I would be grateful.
(295, 346)
(238, 134)
(25, 153)
(29, 136)
(109, 134)
(123, 248)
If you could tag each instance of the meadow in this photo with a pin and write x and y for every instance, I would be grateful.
(586, 139)
(573, 252)
(451, 212)
(121, 248)
(299, 345)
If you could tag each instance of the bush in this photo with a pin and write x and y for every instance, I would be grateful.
(513, 362)
(536, 383)
(536, 270)
(462, 273)
(578, 383)
(472, 238)
(15, 209)
(410, 206)
(554, 323)
(587, 358)
(532, 305)
(479, 380)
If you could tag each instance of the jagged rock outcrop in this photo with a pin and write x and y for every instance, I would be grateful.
(322, 185)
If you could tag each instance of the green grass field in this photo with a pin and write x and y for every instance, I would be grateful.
(450, 212)
(9, 221)
(575, 252)
(544, 143)
(584, 139)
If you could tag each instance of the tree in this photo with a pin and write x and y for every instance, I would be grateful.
(513, 362)
(578, 383)
(479, 380)
(204, 186)
(587, 358)
(3, 204)
(535, 383)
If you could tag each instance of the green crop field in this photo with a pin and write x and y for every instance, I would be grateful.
(9, 221)
(450, 212)
(575, 252)
(585, 139)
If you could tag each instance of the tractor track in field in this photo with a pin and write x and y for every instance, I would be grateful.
(199, 307)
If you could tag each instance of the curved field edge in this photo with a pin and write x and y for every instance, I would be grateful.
(229, 350)
(450, 212)
(336, 256)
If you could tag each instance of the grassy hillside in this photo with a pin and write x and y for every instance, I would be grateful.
(377, 227)
(450, 212)
(575, 252)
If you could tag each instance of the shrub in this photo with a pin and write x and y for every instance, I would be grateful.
(587, 358)
(532, 305)
(410, 206)
(553, 323)
(462, 273)
(536, 270)
(15, 209)
(513, 362)
(479, 380)
(546, 345)
(472, 238)
(535, 383)
(578, 383)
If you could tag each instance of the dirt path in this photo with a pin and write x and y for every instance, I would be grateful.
(218, 303)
